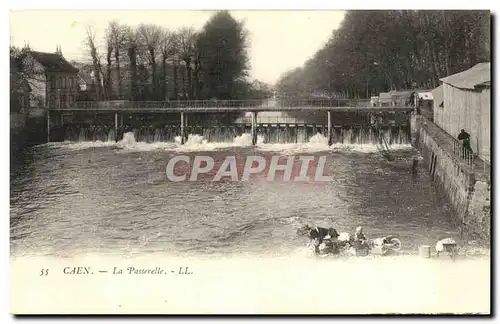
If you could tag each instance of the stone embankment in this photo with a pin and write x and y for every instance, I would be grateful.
(467, 188)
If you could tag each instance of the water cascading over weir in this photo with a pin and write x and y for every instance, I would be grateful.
(340, 121)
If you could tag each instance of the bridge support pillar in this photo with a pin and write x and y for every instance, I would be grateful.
(254, 127)
(182, 128)
(329, 129)
(116, 127)
(48, 126)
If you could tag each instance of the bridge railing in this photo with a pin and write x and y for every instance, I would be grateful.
(177, 104)
(323, 103)
(201, 104)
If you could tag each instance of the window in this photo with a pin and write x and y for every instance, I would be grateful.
(53, 82)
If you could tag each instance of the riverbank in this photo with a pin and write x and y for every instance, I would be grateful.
(25, 132)
(467, 189)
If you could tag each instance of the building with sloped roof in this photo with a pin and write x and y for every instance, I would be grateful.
(463, 101)
(54, 80)
(395, 98)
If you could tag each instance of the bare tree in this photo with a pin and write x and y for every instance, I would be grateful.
(169, 47)
(116, 36)
(131, 44)
(150, 37)
(96, 61)
(187, 46)
(196, 71)
(108, 86)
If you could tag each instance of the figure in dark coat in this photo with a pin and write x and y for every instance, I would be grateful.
(465, 138)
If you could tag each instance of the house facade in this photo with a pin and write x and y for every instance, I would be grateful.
(463, 101)
(55, 80)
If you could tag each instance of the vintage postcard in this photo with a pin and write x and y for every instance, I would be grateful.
(250, 162)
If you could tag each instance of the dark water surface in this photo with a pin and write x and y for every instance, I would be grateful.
(71, 198)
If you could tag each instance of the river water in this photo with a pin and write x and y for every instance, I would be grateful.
(107, 205)
(104, 197)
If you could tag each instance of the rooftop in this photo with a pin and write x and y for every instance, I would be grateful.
(53, 62)
(478, 75)
(393, 94)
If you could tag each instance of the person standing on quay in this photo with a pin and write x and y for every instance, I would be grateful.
(465, 138)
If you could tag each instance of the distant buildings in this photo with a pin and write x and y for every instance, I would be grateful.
(462, 101)
(424, 94)
(424, 103)
(395, 98)
(53, 80)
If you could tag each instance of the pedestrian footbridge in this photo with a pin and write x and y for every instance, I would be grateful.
(284, 105)
(197, 110)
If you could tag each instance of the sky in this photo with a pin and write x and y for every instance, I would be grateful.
(279, 40)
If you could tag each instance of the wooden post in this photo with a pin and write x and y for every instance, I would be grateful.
(186, 130)
(296, 132)
(254, 128)
(329, 128)
(48, 126)
(116, 127)
(182, 128)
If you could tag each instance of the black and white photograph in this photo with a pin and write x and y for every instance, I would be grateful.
(239, 162)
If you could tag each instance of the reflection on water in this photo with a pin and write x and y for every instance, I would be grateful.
(107, 197)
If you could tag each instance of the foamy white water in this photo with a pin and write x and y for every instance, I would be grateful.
(129, 143)
(78, 145)
(197, 143)
(128, 139)
(246, 140)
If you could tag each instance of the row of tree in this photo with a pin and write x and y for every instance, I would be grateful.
(377, 51)
(150, 62)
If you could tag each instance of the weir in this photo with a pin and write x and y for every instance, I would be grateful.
(296, 122)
